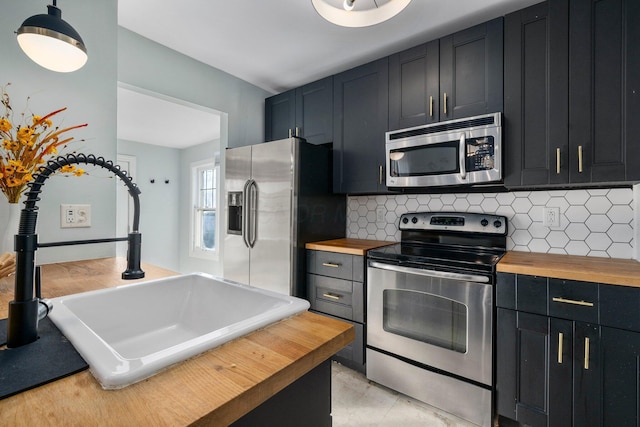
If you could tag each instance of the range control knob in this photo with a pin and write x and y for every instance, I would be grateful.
(414, 220)
(405, 220)
(484, 222)
(497, 223)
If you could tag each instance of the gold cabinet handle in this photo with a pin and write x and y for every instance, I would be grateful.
(431, 106)
(332, 296)
(560, 339)
(331, 264)
(580, 158)
(380, 174)
(572, 301)
(586, 352)
(557, 161)
(445, 103)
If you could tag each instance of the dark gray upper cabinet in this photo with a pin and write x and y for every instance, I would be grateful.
(306, 112)
(471, 67)
(360, 106)
(457, 76)
(572, 74)
(414, 86)
(536, 82)
(604, 94)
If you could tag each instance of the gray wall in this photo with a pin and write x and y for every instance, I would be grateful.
(90, 95)
(149, 65)
(159, 202)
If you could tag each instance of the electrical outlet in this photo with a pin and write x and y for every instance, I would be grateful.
(380, 214)
(551, 217)
(75, 216)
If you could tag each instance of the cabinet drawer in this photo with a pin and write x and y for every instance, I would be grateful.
(531, 294)
(575, 300)
(333, 264)
(620, 307)
(352, 355)
(341, 298)
(354, 351)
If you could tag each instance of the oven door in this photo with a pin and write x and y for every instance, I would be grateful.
(439, 319)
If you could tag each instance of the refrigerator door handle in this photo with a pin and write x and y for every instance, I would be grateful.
(253, 217)
(247, 213)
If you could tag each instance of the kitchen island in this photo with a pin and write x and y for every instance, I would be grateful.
(215, 388)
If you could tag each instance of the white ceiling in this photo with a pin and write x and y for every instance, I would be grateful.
(282, 44)
(139, 114)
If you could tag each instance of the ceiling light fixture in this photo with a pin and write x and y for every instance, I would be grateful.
(364, 13)
(51, 42)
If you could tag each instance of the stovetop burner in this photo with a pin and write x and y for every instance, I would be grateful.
(446, 240)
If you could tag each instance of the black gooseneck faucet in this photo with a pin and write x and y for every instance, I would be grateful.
(22, 326)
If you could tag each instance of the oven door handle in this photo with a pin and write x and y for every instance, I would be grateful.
(430, 273)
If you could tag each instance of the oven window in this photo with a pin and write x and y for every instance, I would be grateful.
(426, 317)
(433, 159)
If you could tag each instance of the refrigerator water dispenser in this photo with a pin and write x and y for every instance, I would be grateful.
(234, 225)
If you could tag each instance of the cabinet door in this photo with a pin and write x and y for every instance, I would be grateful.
(621, 377)
(360, 101)
(314, 111)
(414, 86)
(605, 90)
(587, 368)
(279, 115)
(471, 71)
(536, 48)
(534, 368)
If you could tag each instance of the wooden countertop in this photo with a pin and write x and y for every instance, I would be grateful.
(612, 271)
(347, 246)
(215, 388)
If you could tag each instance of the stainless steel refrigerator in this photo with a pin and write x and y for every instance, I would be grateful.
(278, 197)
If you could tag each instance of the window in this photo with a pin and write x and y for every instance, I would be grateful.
(205, 178)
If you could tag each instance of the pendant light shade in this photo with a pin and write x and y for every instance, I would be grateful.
(51, 42)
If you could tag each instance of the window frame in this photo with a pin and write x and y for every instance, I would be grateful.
(196, 249)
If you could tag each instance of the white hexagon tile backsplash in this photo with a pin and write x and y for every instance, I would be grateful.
(596, 222)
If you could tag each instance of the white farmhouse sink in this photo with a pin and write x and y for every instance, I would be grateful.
(131, 332)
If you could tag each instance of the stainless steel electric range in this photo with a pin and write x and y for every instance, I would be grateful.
(430, 310)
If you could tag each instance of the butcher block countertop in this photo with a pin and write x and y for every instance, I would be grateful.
(215, 388)
(347, 246)
(611, 271)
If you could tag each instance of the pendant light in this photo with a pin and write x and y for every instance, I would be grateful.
(51, 42)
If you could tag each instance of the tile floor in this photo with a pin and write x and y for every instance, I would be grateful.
(357, 402)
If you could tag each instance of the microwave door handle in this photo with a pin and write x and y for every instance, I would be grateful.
(246, 213)
(430, 273)
(463, 152)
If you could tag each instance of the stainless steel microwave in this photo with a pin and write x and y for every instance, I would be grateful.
(456, 152)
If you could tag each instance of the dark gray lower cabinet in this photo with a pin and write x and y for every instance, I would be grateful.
(335, 288)
(621, 377)
(306, 402)
(534, 387)
(561, 357)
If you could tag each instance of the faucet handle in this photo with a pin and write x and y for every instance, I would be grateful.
(38, 283)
